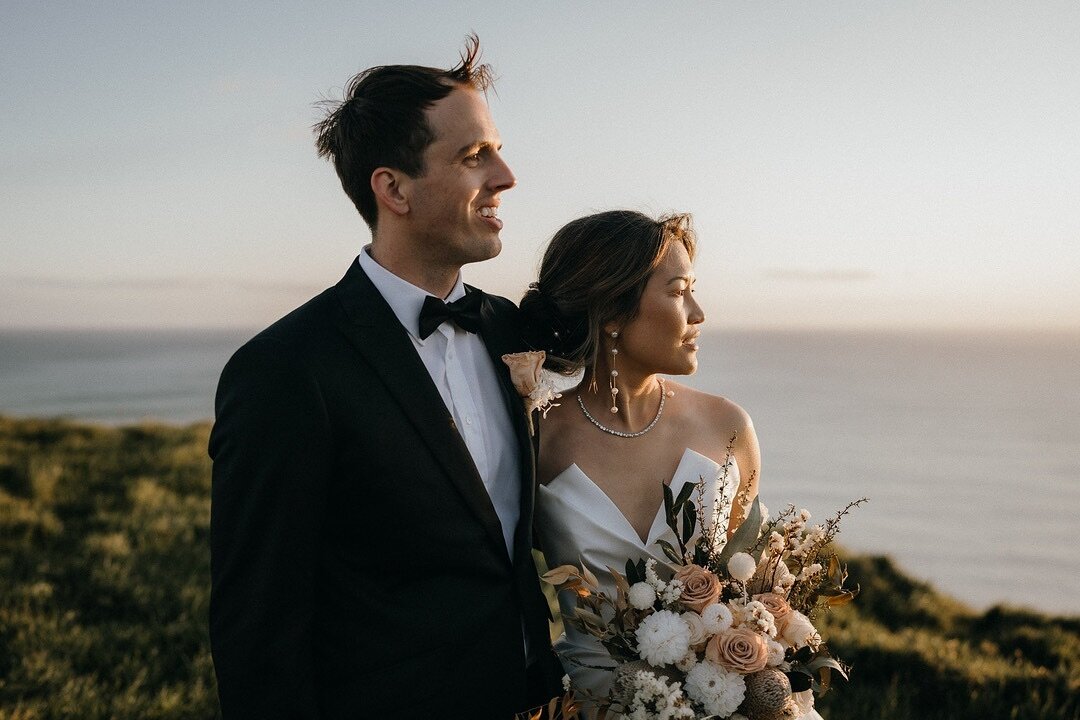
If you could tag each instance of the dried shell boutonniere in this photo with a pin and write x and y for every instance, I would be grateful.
(528, 375)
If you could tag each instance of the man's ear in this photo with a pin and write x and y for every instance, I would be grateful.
(391, 190)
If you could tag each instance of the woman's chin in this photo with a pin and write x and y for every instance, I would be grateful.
(686, 367)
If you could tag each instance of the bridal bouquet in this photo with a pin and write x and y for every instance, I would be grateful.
(729, 634)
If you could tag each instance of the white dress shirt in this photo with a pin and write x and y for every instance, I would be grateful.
(464, 374)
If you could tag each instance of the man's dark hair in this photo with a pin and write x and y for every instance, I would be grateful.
(381, 121)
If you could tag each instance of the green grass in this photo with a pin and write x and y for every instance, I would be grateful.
(919, 654)
(104, 572)
(104, 591)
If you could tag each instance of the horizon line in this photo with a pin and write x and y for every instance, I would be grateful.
(980, 328)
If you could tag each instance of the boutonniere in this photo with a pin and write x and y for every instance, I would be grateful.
(532, 382)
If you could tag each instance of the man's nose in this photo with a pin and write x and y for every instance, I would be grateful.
(503, 177)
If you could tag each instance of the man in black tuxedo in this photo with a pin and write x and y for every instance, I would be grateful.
(373, 479)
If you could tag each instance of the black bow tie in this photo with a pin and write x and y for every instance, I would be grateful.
(465, 312)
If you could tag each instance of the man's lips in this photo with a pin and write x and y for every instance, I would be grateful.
(490, 215)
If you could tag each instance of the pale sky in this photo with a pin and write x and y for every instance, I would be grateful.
(849, 164)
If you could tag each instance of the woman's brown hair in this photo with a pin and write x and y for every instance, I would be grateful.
(593, 273)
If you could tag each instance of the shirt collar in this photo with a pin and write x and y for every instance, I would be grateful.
(404, 298)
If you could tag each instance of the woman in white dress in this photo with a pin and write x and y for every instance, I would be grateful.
(615, 298)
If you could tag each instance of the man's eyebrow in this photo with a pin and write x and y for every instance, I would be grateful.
(478, 145)
(685, 278)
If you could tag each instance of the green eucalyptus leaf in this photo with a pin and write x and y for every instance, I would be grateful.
(689, 519)
(670, 551)
(745, 537)
(684, 494)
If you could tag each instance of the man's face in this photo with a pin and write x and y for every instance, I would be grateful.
(453, 208)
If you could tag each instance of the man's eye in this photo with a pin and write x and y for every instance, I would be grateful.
(472, 159)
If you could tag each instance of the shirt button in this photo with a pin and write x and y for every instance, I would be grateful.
(468, 420)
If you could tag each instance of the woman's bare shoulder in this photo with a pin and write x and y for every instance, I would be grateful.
(714, 409)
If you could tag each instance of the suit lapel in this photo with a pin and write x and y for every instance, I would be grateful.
(500, 336)
(374, 330)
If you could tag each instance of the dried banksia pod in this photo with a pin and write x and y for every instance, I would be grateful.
(768, 696)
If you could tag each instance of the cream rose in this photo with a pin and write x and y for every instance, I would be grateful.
(698, 634)
(797, 631)
(700, 587)
(741, 650)
(804, 700)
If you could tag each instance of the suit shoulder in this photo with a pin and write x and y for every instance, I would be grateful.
(289, 339)
(502, 305)
(304, 324)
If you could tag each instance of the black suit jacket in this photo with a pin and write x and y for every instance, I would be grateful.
(359, 567)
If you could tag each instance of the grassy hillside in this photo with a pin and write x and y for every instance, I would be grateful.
(104, 590)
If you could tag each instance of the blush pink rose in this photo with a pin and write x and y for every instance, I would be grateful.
(525, 370)
(700, 587)
(740, 650)
(775, 604)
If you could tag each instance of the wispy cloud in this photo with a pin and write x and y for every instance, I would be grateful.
(827, 275)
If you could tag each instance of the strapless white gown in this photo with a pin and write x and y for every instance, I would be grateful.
(578, 524)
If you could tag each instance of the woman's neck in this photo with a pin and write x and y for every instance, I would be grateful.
(637, 398)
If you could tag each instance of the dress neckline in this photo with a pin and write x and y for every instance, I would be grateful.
(659, 522)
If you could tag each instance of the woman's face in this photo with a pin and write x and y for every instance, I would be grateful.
(662, 337)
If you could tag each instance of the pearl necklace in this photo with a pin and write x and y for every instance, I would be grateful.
(619, 433)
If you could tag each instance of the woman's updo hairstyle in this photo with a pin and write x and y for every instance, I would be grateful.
(593, 273)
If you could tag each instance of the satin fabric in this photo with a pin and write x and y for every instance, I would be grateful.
(577, 523)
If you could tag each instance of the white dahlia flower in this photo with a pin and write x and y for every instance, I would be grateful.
(718, 689)
(689, 660)
(717, 618)
(663, 638)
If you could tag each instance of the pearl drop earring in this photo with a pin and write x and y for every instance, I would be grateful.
(614, 373)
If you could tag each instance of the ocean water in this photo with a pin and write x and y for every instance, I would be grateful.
(966, 444)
